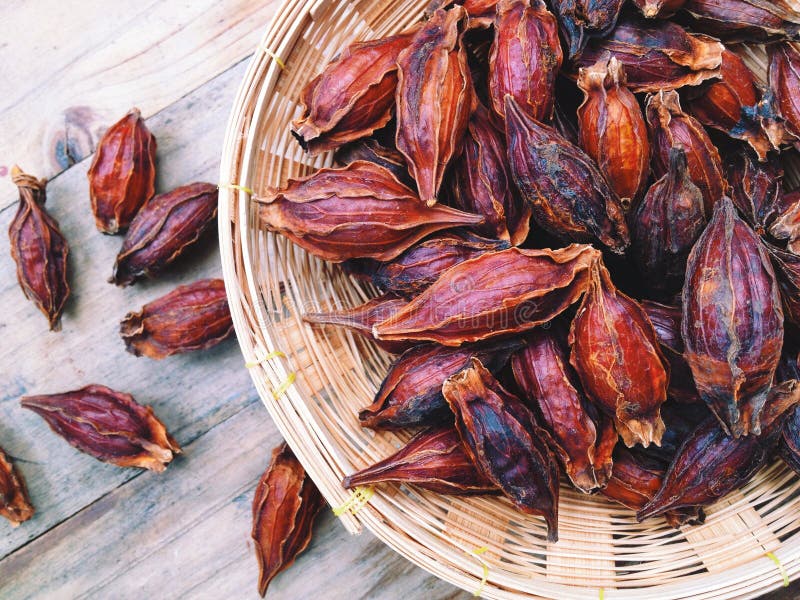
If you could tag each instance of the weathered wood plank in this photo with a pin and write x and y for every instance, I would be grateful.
(69, 69)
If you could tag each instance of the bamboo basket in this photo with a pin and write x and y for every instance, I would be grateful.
(313, 382)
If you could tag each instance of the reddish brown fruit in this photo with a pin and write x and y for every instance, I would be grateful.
(14, 502)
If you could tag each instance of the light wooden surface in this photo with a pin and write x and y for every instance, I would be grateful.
(67, 70)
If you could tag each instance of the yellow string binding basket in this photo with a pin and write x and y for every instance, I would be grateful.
(314, 381)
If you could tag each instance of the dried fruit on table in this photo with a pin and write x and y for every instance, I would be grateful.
(39, 249)
(494, 294)
(371, 151)
(612, 128)
(525, 58)
(658, 9)
(665, 227)
(584, 438)
(434, 459)
(14, 502)
(353, 96)
(108, 425)
(710, 464)
(481, 183)
(434, 99)
(755, 187)
(787, 272)
(504, 441)
(422, 264)
(658, 55)
(670, 127)
(165, 226)
(745, 20)
(285, 505)
(784, 81)
(616, 354)
(411, 392)
(636, 479)
(359, 211)
(732, 323)
(123, 172)
(364, 317)
(787, 224)
(584, 19)
(569, 196)
(191, 317)
(732, 104)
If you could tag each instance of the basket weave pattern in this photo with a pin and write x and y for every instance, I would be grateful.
(313, 382)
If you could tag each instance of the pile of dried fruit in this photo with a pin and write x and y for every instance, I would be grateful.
(574, 279)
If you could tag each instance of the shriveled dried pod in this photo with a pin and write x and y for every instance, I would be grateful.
(658, 9)
(612, 129)
(786, 225)
(14, 502)
(584, 19)
(422, 264)
(191, 317)
(584, 438)
(505, 442)
(671, 127)
(482, 184)
(732, 322)
(616, 354)
(434, 459)
(525, 58)
(353, 96)
(285, 505)
(434, 99)
(784, 81)
(789, 443)
(364, 317)
(745, 20)
(165, 226)
(370, 150)
(481, 12)
(569, 195)
(358, 211)
(657, 55)
(123, 172)
(732, 104)
(39, 249)
(666, 225)
(755, 187)
(411, 392)
(108, 425)
(710, 464)
(497, 293)
(787, 272)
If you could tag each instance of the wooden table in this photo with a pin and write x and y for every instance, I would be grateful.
(68, 70)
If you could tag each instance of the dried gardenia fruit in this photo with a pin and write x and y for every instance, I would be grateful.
(582, 19)
(434, 459)
(658, 55)
(616, 355)
(671, 127)
(110, 426)
(525, 58)
(787, 225)
(732, 104)
(364, 317)
(434, 99)
(411, 392)
(755, 187)
(359, 211)
(285, 504)
(658, 9)
(39, 249)
(14, 502)
(123, 172)
(191, 317)
(583, 438)
(371, 151)
(353, 96)
(784, 81)
(165, 226)
(422, 264)
(666, 225)
(787, 271)
(494, 294)
(504, 441)
(481, 12)
(789, 444)
(710, 464)
(482, 184)
(745, 20)
(732, 323)
(612, 128)
(569, 196)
